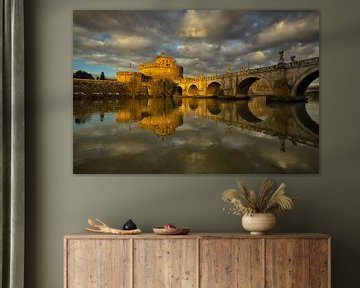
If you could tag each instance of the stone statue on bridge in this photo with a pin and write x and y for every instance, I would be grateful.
(281, 56)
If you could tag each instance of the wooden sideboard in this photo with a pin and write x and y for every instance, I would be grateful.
(197, 260)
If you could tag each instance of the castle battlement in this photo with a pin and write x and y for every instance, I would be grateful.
(164, 66)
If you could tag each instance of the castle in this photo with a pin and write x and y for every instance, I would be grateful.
(164, 66)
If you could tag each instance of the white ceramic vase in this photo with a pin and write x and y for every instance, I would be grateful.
(259, 223)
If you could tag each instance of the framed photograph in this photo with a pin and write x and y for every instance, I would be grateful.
(195, 92)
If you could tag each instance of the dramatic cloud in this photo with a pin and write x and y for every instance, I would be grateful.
(131, 42)
(202, 41)
(298, 30)
(210, 24)
(257, 57)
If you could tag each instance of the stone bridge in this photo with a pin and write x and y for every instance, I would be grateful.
(290, 79)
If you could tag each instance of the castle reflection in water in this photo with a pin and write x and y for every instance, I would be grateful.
(283, 126)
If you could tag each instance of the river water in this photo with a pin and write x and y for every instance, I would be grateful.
(191, 135)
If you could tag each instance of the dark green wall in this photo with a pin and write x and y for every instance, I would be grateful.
(59, 202)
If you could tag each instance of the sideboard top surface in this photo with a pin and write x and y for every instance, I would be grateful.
(87, 235)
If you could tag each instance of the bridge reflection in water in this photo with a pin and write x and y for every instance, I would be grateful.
(288, 125)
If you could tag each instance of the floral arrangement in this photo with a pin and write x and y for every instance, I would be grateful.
(246, 202)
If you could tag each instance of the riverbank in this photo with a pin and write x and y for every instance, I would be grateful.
(95, 89)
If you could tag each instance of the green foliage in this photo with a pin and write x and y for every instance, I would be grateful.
(102, 76)
(134, 87)
(245, 201)
(82, 75)
(163, 87)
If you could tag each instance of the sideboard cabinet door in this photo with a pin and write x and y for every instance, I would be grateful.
(165, 263)
(231, 263)
(297, 263)
(98, 263)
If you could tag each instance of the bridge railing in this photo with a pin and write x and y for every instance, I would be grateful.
(196, 78)
(299, 63)
(305, 62)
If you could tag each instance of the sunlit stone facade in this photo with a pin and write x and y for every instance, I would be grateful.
(126, 77)
(163, 67)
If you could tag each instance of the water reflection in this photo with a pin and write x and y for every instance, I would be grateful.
(187, 126)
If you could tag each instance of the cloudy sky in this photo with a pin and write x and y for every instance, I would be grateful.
(202, 41)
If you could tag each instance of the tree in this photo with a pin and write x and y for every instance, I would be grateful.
(164, 87)
(102, 76)
(134, 86)
(82, 75)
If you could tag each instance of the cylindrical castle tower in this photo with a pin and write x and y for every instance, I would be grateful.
(163, 67)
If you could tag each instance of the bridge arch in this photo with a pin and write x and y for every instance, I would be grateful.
(304, 119)
(179, 90)
(303, 82)
(213, 106)
(193, 104)
(193, 90)
(257, 106)
(213, 89)
(243, 87)
(179, 102)
(242, 110)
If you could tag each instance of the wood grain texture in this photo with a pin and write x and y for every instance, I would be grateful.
(165, 263)
(98, 264)
(319, 263)
(231, 263)
(197, 260)
(287, 263)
